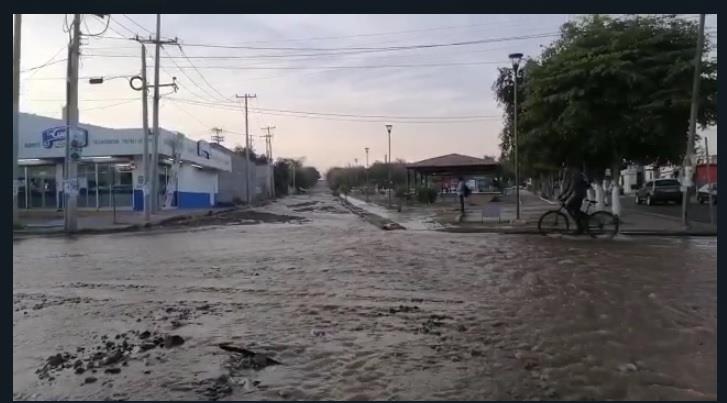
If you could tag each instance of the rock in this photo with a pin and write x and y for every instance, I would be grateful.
(176, 324)
(80, 370)
(115, 357)
(78, 364)
(173, 341)
(55, 360)
(146, 346)
(145, 334)
(498, 324)
(90, 379)
(462, 328)
(317, 333)
(147, 371)
(627, 367)
(112, 370)
(203, 307)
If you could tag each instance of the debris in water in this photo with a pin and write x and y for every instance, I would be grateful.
(173, 341)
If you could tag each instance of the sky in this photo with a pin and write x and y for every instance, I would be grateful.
(309, 84)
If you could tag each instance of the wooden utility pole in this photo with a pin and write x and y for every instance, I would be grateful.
(688, 156)
(269, 156)
(247, 148)
(70, 174)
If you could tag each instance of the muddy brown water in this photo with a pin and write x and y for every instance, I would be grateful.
(353, 312)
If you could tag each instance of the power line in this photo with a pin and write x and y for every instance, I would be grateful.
(181, 50)
(46, 64)
(435, 45)
(123, 26)
(341, 116)
(136, 23)
(182, 70)
(423, 65)
(109, 106)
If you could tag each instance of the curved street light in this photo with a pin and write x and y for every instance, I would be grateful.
(515, 58)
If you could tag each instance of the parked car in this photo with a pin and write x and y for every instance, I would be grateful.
(703, 193)
(659, 190)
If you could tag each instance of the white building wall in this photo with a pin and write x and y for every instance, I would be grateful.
(196, 187)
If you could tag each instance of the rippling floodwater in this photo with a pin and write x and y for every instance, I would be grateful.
(353, 312)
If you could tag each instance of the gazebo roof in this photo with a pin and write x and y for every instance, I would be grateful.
(453, 161)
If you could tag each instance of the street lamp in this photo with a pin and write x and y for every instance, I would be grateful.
(388, 129)
(515, 58)
(367, 173)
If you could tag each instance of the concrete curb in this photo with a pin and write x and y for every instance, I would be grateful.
(534, 231)
(371, 218)
(56, 230)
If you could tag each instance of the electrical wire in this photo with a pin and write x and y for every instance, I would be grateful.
(424, 65)
(361, 116)
(136, 23)
(108, 106)
(182, 70)
(46, 64)
(200, 73)
(408, 47)
(85, 23)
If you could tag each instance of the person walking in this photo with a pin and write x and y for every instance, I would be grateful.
(463, 191)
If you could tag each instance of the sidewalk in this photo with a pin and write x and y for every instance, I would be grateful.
(92, 221)
(501, 216)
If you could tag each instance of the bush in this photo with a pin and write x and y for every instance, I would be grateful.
(426, 195)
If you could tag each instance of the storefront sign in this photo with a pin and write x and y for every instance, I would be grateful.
(55, 136)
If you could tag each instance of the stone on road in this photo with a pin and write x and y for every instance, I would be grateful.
(396, 314)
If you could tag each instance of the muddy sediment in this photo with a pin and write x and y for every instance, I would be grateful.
(335, 308)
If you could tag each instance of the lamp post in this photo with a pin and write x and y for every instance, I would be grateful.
(367, 173)
(515, 58)
(388, 130)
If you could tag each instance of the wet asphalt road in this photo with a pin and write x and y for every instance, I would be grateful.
(695, 211)
(352, 312)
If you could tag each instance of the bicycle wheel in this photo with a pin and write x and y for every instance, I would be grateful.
(553, 223)
(602, 225)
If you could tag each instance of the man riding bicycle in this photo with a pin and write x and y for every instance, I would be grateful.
(575, 190)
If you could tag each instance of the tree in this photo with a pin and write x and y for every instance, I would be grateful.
(608, 91)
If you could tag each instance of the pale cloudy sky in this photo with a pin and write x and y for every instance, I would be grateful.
(433, 82)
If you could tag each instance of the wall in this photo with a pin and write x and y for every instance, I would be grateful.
(232, 184)
(103, 141)
(197, 187)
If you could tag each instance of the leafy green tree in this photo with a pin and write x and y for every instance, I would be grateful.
(608, 91)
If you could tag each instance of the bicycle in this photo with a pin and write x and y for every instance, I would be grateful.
(599, 224)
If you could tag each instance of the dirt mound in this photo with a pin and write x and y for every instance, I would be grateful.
(234, 217)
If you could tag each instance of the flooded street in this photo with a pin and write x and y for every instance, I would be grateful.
(326, 306)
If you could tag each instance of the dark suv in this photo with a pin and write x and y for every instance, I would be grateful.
(659, 190)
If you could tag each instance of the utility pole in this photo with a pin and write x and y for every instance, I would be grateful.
(145, 117)
(149, 171)
(217, 137)
(247, 148)
(686, 171)
(367, 173)
(709, 181)
(155, 147)
(70, 189)
(269, 157)
(16, 110)
(388, 130)
(154, 160)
